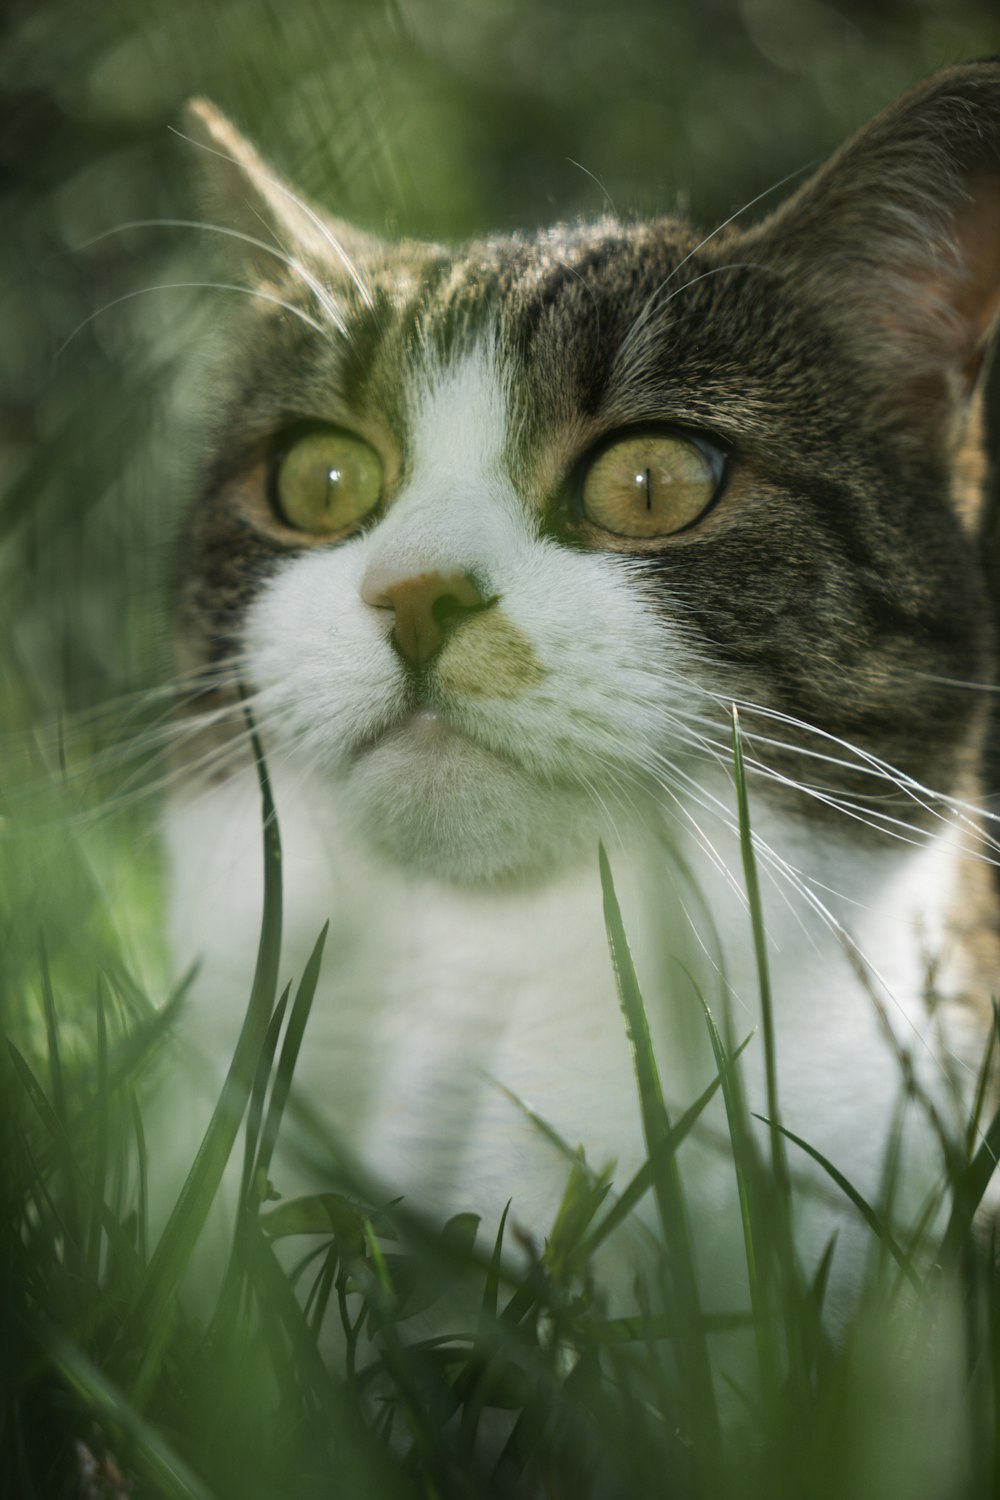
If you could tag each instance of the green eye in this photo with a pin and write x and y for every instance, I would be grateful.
(650, 484)
(327, 482)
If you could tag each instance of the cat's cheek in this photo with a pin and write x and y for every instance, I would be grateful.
(614, 674)
(321, 665)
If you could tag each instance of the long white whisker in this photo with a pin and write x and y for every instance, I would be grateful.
(646, 310)
(176, 286)
(769, 856)
(644, 317)
(923, 795)
(316, 287)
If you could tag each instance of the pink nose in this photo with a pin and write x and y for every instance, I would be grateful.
(427, 607)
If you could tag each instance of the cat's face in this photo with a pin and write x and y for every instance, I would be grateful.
(498, 533)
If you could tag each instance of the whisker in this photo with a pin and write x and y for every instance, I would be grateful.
(643, 318)
(177, 286)
(806, 888)
(872, 816)
(646, 311)
(594, 178)
(321, 293)
(908, 784)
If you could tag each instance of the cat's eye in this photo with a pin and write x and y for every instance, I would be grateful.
(326, 482)
(650, 484)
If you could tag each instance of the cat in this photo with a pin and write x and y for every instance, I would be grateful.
(493, 538)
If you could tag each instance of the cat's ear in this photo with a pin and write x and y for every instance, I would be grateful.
(899, 235)
(250, 200)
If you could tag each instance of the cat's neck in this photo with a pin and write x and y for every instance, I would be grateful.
(879, 914)
(445, 1015)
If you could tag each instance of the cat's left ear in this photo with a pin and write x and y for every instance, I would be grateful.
(250, 199)
(898, 236)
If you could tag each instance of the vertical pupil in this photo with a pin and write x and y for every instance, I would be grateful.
(642, 481)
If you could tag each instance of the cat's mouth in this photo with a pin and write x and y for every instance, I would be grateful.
(423, 727)
(427, 733)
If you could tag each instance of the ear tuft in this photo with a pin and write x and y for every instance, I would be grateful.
(248, 197)
(254, 202)
(207, 126)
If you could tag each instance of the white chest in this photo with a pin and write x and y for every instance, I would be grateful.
(444, 1016)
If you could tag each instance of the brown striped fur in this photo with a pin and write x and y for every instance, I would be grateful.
(832, 351)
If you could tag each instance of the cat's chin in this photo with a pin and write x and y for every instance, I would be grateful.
(435, 802)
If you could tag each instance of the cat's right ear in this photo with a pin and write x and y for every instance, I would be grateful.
(898, 236)
(254, 204)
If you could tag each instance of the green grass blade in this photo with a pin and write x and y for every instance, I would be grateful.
(60, 1105)
(982, 1086)
(491, 1288)
(820, 1281)
(657, 1160)
(171, 1255)
(281, 1088)
(101, 1144)
(39, 1098)
(864, 1208)
(744, 1150)
(581, 1201)
(890, 1177)
(766, 1246)
(969, 1188)
(31, 1201)
(258, 1092)
(142, 1174)
(773, 1226)
(67, 1157)
(362, 1467)
(319, 1297)
(228, 1302)
(116, 1236)
(129, 1055)
(484, 1347)
(779, 1158)
(52, 1033)
(655, 1119)
(542, 1125)
(383, 1278)
(111, 1407)
(668, 1190)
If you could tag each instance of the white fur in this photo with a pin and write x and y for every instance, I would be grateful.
(457, 860)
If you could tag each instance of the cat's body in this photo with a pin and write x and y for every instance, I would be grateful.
(427, 1015)
(498, 655)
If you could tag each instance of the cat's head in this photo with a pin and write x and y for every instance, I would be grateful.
(497, 532)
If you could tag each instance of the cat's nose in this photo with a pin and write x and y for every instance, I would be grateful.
(427, 607)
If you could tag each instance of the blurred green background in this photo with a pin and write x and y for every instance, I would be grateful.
(436, 117)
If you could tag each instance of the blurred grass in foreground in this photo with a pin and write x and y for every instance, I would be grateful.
(526, 1385)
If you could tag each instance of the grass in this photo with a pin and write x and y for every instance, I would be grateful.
(315, 1373)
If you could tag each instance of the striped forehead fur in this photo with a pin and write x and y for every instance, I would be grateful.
(835, 580)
